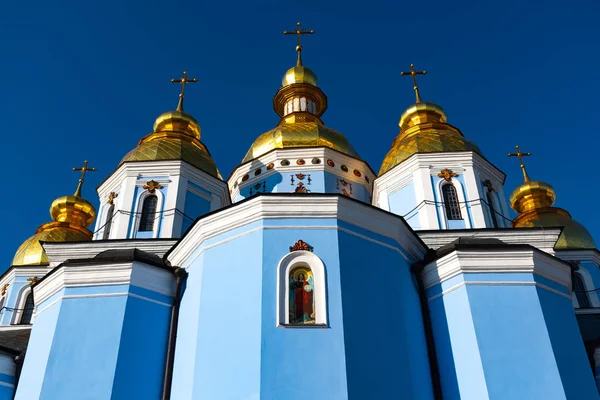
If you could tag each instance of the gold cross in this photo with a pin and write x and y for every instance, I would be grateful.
(83, 170)
(33, 280)
(414, 74)
(6, 285)
(152, 185)
(299, 32)
(183, 82)
(111, 197)
(447, 174)
(520, 155)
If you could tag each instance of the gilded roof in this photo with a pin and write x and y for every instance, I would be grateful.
(31, 251)
(423, 129)
(432, 141)
(299, 74)
(299, 134)
(175, 148)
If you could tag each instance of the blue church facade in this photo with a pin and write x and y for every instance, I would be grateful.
(305, 274)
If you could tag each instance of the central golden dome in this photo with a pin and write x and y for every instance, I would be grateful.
(423, 129)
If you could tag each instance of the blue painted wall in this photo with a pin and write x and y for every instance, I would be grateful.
(508, 341)
(231, 348)
(7, 376)
(195, 206)
(403, 202)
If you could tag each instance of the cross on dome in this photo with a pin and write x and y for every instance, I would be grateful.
(184, 80)
(520, 156)
(414, 74)
(83, 170)
(299, 32)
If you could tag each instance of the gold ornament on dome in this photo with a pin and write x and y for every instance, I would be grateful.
(152, 185)
(83, 170)
(183, 80)
(447, 174)
(414, 75)
(520, 156)
(299, 32)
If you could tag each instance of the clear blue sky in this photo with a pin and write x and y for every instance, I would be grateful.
(86, 79)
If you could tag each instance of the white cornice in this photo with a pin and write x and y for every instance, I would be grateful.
(502, 261)
(543, 239)
(580, 255)
(298, 207)
(24, 271)
(168, 168)
(158, 280)
(59, 252)
(293, 154)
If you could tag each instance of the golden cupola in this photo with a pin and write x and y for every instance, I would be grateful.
(300, 104)
(176, 136)
(424, 129)
(534, 201)
(71, 215)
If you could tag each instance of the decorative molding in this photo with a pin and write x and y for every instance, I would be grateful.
(498, 283)
(299, 207)
(301, 245)
(541, 238)
(447, 174)
(158, 280)
(499, 262)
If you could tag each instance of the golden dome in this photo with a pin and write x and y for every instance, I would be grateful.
(423, 129)
(533, 200)
(176, 136)
(299, 74)
(71, 215)
(299, 134)
(177, 121)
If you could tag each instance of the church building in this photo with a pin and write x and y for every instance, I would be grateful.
(306, 274)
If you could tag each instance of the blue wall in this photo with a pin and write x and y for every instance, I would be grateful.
(231, 348)
(195, 206)
(7, 376)
(403, 202)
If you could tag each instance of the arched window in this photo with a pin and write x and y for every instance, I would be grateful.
(27, 310)
(148, 214)
(108, 223)
(451, 202)
(301, 296)
(580, 291)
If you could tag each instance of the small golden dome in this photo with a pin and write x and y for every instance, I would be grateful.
(73, 210)
(531, 195)
(423, 129)
(177, 121)
(299, 134)
(299, 74)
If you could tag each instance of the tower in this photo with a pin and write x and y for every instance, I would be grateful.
(164, 184)
(301, 154)
(436, 178)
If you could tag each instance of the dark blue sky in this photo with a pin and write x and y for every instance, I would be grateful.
(86, 79)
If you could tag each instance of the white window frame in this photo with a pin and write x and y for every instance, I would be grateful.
(588, 283)
(20, 304)
(462, 200)
(293, 260)
(160, 197)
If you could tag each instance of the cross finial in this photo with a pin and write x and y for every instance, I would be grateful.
(520, 155)
(299, 32)
(83, 170)
(414, 74)
(183, 82)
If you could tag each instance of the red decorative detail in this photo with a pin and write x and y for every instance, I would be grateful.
(345, 192)
(300, 188)
(300, 176)
(357, 173)
(330, 163)
(300, 161)
(343, 182)
(301, 245)
(270, 166)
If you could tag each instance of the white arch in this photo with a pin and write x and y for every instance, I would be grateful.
(462, 200)
(160, 197)
(20, 305)
(301, 259)
(588, 283)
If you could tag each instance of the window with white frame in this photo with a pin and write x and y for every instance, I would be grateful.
(148, 213)
(451, 203)
(108, 224)
(27, 310)
(580, 292)
(301, 290)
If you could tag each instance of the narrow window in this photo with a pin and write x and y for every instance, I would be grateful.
(27, 310)
(451, 202)
(580, 292)
(148, 214)
(2, 305)
(301, 301)
(108, 223)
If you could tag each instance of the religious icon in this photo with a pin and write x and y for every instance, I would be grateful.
(302, 306)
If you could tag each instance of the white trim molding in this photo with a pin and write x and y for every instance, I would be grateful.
(286, 265)
(20, 305)
(502, 261)
(155, 279)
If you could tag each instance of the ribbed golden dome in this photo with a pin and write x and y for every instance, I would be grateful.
(533, 200)
(176, 137)
(299, 134)
(423, 129)
(299, 74)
